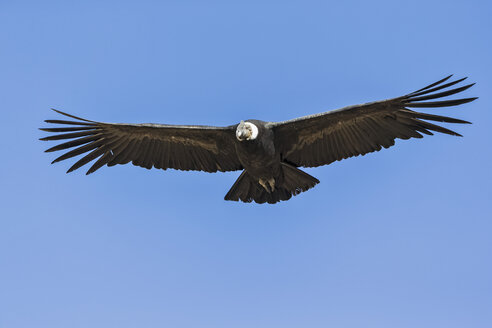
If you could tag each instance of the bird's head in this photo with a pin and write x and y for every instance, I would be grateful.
(246, 131)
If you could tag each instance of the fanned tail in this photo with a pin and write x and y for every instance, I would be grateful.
(247, 189)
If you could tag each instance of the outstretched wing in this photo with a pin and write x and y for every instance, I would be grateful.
(181, 147)
(357, 130)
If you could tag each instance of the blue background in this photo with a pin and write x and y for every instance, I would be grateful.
(399, 238)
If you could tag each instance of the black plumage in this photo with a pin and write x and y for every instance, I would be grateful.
(268, 152)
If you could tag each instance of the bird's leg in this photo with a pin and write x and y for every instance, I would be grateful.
(268, 185)
(263, 184)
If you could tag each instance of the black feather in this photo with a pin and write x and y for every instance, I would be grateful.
(433, 84)
(427, 91)
(74, 143)
(68, 135)
(78, 151)
(441, 94)
(443, 103)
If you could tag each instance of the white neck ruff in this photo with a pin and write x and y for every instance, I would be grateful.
(254, 130)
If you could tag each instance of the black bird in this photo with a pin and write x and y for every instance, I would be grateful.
(269, 153)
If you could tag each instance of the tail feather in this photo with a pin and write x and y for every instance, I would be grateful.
(293, 182)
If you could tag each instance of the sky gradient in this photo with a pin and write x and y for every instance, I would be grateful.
(398, 238)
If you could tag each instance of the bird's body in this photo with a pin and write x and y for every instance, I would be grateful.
(269, 153)
(259, 156)
(266, 178)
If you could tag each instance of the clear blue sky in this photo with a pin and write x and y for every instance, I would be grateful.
(399, 238)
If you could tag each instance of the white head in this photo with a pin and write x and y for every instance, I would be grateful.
(246, 131)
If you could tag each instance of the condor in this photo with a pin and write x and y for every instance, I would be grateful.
(268, 153)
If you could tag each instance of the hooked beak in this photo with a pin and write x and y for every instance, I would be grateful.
(241, 135)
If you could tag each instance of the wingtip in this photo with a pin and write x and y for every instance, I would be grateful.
(445, 79)
(71, 116)
(58, 111)
(470, 99)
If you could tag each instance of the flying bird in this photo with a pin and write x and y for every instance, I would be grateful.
(268, 153)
